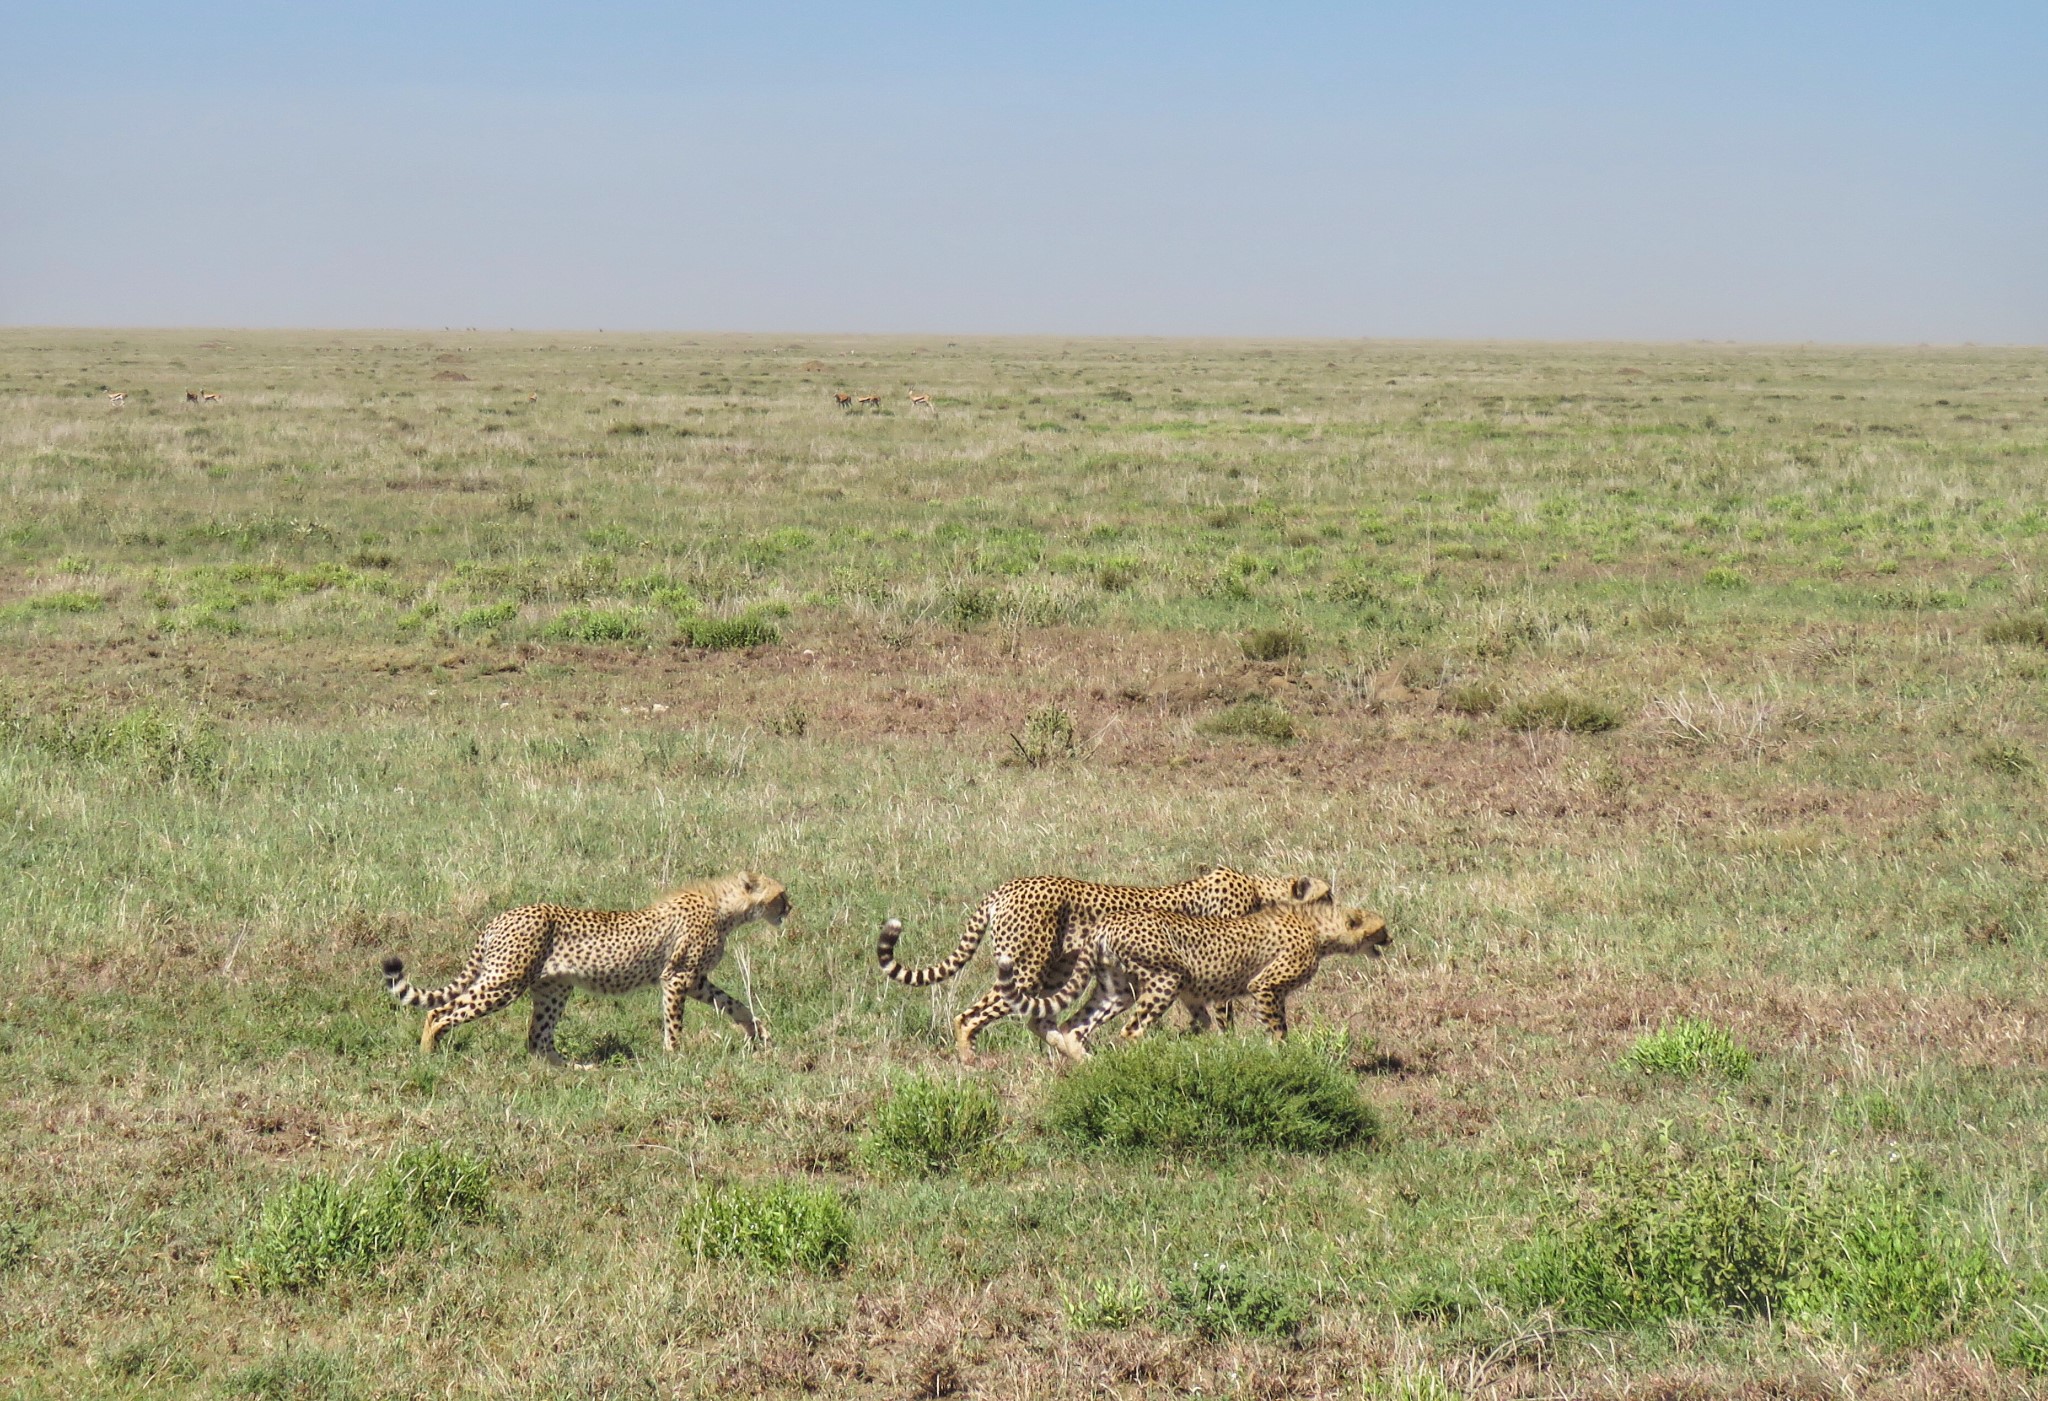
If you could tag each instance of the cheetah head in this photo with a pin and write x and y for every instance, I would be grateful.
(763, 897)
(1354, 931)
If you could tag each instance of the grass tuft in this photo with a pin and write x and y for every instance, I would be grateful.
(1219, 1299)
(1690, 1048)
(1274, 644)
(929, 1126)
(1210, 1095)
(1049, 735)
(2023, 629)
(776, 1227)
(1252, 719)
(2005, 758)
(1560, 710)
(745, 630)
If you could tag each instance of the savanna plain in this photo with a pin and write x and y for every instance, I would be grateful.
(1680, 707)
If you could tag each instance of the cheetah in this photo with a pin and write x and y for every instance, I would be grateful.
(551, 950)
(1156, 957)
(1035, 920)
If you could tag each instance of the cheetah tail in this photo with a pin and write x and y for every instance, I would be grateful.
(1043, 1006)
(410, 996)
(885, 953)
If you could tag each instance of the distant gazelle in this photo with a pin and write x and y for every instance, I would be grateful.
(534, 397)
(191, 396)
(921, 401)
(842, 399)
(874, 399)
(117, 398)
(207, 396)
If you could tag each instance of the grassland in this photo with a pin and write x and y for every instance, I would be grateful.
(1688, 693)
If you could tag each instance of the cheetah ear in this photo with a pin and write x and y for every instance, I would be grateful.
(1303, 886)
(751, 881)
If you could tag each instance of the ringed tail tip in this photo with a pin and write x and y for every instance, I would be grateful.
(393, 966)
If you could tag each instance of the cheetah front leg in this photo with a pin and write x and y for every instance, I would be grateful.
(550, 996)
(677, 991)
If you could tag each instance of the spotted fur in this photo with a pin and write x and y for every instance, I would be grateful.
(1036, 923)
(1154, 958)
(550, 950)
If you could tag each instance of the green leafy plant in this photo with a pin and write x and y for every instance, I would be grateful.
(1691, 1048)
(928, 1126)
(1107, 1306)
(1274, 644)
(1560, 710)
(1220, 1299)
(1209, 1095)
(775, 1227)
(1252, 719)
(1048, 735)
(744, 630)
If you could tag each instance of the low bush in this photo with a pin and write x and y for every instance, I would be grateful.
(744, 630)
(2024, 629)
(1210, 1095)
(1107, 1305)
(777, 1227)
(1691, 1048)
(2005, 758)
(1473, 698)
(1252, 719)
(2023, 1342)
(1725, 1229)
(1273, 644)
(598, 625)
(320, 1225)
(929, 1126)
(485, 618)
(1218, 1299)
(1560, 710)
(1048, 735)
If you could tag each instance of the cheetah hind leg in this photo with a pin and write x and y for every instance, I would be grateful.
(477, 1002)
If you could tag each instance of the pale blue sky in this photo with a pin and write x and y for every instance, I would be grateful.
(1825, 171)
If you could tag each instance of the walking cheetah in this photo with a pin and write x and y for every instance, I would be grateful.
(551, 950)
(1036, 924)
(1156, 957)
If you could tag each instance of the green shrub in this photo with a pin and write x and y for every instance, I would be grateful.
(2005, 758)
(316, 1227)
(1107, 1305)
(1210, 1095)
(972, 604)
(1720, 1230)
(1117, 575)
(294, 1376)
(778, 1227)
(2023, 1342)
(2025, 629)
(598, 625)
(437, 1184)
(1274, 644)
(1560, 710)
(1048, 735)
(486, 617)
(745, 630)
(1473, 698)
(320, 1225)
(930, 1126)
(147, 741)
(1725, 579)
(17, 1241)
(1252, 719)
(1219, 1300)
(1691, 1048)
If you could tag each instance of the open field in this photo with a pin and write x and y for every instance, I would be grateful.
(1633, 684)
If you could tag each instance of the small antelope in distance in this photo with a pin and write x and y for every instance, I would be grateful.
(534, 397)
(922, 401)
(874, 399)
(191, 396)
(207, 396)
(117, 397)
(842, 399)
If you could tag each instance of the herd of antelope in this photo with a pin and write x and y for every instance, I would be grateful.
(917, 401)
(119, 397)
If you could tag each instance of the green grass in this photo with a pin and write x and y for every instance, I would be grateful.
(929, 1126)
(1210, 1095)
(1690, 1048)
(777, 1227)
(356, 658)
